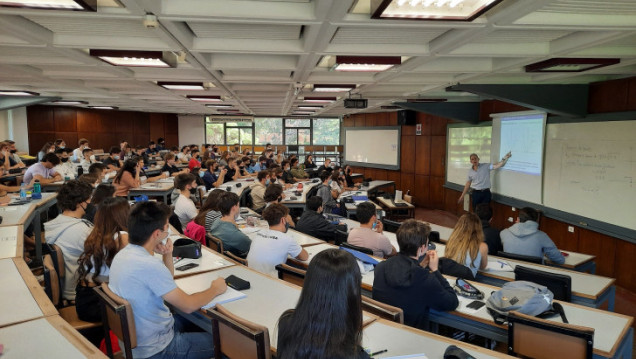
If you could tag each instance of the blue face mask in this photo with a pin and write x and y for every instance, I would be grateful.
(330, 182)
(267, 182)
(201, 174)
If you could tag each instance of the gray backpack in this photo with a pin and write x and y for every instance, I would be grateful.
(524, 297)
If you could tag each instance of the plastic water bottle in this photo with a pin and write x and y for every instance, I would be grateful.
(23, 195)
(37, 190)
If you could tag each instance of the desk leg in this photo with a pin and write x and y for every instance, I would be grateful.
(37, 233)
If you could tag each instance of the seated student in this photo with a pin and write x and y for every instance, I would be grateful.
(101, 192)
(210, 178)
(211, 208)
(337, 183)
(184, 208)
(287, 176)
(466, 244)
(313, 223)
(140, 151)
(369, 234)
(296, 171)
(147, 281)
(65, 168)
(48, 147)
(68, 230)
(491, 235)
(43, 171)
(258, 190)
(327, 321)
(242, 168)
(126, 152)
(194, 160)
(14, 155)
(184, 155)
(109, 235)
(270, 247)
(112, 161)
(328, 195)
(261, 165)
(225, 228)
(87, 159)
(127, 177)
(152, 149)
(309, 162)
(6, 158)
(78, 153)
(406, 281)
(526, 239)
(171, 167)
(232, 173)
(98, 170)
(325, 167)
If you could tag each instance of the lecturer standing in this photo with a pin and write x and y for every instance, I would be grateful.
(479, 179)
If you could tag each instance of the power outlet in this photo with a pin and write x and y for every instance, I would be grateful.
(510, 219)
(514, 209)
(571, 229)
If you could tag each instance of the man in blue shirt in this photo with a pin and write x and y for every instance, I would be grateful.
(146, 281)
(226, 230)
(479, 179)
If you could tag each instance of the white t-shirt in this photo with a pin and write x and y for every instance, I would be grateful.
(66, 169)
(269, 249)
(185, 209)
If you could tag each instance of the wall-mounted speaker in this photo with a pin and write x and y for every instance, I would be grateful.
(407, 118)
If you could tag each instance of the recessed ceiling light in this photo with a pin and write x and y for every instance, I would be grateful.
(104, 107)
(82, 5)
(308, 107)
(219, 105)
(457, 10)
(135, 58)
(205, 98)
(182, 86)
(424, 100)
(228, 110)
(333, 88)
(570, 65)
(320, 99)
(69, 102)
(366, 63)
(18, 93)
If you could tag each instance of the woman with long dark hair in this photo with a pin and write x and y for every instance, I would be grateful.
(327, 321)
(128, 177)
(105, 240)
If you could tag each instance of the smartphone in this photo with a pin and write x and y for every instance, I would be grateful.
(187, 266)
(431, 246)
(475, 304)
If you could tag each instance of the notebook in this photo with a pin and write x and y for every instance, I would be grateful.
(230, 295)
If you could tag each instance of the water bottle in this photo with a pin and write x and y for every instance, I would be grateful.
(23, 195)
(37, 190)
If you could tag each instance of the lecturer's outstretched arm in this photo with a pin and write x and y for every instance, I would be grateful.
(466, 187)
(502, 162)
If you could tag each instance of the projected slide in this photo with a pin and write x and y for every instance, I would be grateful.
(462, 142)
(523, 136)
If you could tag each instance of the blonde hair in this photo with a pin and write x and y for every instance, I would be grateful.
(466, 238)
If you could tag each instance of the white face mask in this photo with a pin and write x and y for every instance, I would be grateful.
(92, 157)
(116, 157)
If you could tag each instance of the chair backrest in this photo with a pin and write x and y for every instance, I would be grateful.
(357, 248)
(215, 243)
(236, 337)
(313, 191)
(559, 284)
(201, 191)
(434, 237)
(340, 237)
(246, 198)
(391, 226)
(51, 280)
(408, 198)
(520, 257)
(541, 339)
(117, 315)
(383, 310)
(291, 274)
(58, 260)
(236, 258)
(175, 222)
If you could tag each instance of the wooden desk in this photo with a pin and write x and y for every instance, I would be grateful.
(11, 241)
(301, 200)
(391, 208)
(375, 186)
(22, 298)
(50, 338)
(399, 339)
(311, 251)
(305, 240)
(209, 261)
(156, 189)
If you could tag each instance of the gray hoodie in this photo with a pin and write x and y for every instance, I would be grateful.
(68, 234)
(526, 239)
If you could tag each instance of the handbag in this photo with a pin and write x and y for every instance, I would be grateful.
(186, 248)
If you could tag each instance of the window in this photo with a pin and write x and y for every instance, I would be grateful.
(326, 131)
(268, 130)
(214, 133)
(297, 131)
(294, 122)
(238, 132)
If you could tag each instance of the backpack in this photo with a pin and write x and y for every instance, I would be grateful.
(524, 297)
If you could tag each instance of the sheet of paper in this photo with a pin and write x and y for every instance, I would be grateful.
(499, 266)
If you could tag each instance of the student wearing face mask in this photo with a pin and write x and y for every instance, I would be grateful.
(296, 171)
(79, 151)
(112, 161)
(209, 176)
(59, 143)
(195, 160)
(184, 208)
(16, 161)
(287, 176)
(313, 223)
(258, 190)
(66, 168)
(69, 231)
(232, 173)
(225, 229)
(261, 165)
(270, 247)
(328, 195)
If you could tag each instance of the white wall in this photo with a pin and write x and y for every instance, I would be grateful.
(4, 125)
(191, 130)
(13, 126)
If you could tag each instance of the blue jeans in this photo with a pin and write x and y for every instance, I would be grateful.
(191, 345)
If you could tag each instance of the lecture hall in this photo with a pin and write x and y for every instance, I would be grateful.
(317, 179)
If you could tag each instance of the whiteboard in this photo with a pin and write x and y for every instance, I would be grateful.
(462, 141)
(377, 147)
(590, 170)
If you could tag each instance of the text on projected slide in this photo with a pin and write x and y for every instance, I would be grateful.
(523, 136)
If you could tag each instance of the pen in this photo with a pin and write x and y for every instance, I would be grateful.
(379, 352)
(178, 260)
(502, 263)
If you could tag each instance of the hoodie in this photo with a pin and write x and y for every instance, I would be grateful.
(526, 239)
(69, 234)
(400, 281)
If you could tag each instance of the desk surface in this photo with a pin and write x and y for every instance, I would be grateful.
(388, 203)
(399, 339)
(209, 261)
(302, 199)
(375, 185)
(22, 298)
(53, 338)
(11, 241)
(13, 215)
(154, 187)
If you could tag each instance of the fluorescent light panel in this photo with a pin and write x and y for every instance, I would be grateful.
(182, 86)
(69, 102)
(333, 88)
(366, 63)
(205, 98)
(306, 107)
(17, 93)
(320, 99)
(457, 10)
(570, 65)
(82, 5)
(104, 107)
(219, 105)
(131, 58)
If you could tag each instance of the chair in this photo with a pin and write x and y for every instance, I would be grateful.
(340, 237)
(57, 265)
(559, 284)
(236, 337)
(201, 191)
(520, 257)
(391, 226)
(434, 237)
(117, 316)
(357, 248)
(236, 258)
(382, 310)
(246, 198)
(541, 339)
(313, 191)
(215, 243)
(291, 274)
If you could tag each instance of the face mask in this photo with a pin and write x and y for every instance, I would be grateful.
(13, 151)
(116, 157)
(62, 146)
(273, 180)
(92, 158)
(193, 190)
(286, 226)
(341, 172)
(64, 159)
(263, 164)
(201, 174)
(267, 182)
(330, 181)
(241, 167)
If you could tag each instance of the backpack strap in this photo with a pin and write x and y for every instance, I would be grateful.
(499, 318)
(559, 309)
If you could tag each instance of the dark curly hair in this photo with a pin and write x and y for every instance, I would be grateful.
(73, 193)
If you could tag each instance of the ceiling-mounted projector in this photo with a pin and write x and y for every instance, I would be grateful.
(356, 103)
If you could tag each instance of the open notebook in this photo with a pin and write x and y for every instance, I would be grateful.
(230, 295)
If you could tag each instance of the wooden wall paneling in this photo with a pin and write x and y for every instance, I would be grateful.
(141, 126)
(383, 119)
(603, 247)
(502, 214)
(631, 95)
(65, 119)
(395, 177)
(172, 139)
(407, 154)
(124, 122)
(624, 266)
(40, 119)
(381, 175)
(69, 137)
(370, 119)
(91, 137)
(423, 155)
(348, 121)
(392, 118)
(436, 192)
(37, 141)
(171, 123)
(126, 136)
(407, 182)
(360, 120)
(608, 96)
(558, 232)
(141, 139)
(108, 140)
(438, 126)
(157, 125)
(450, 202)
(421, 191)
(425, 120)
(408, 130)
(438, 156)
